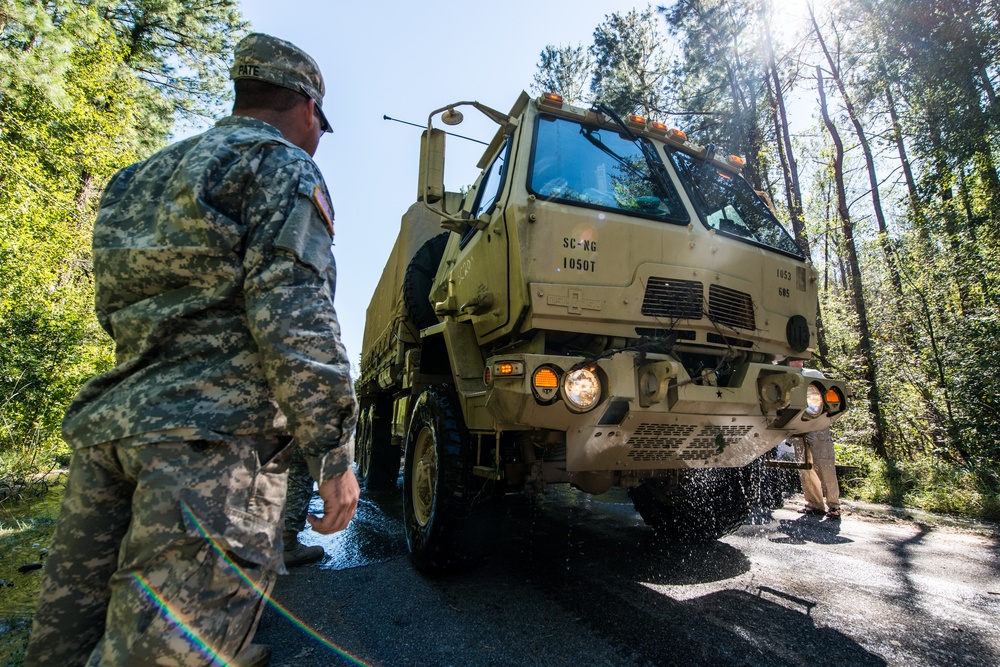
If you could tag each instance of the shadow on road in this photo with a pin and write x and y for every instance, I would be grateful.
(577, 580)
(809, 529)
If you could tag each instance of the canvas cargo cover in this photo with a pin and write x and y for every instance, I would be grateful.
(418, 225)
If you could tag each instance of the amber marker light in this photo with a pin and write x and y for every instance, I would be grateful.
(833, 399)
(638, 120)
(658, 126)
(545, 384)
(505, 368)
(677, 135)
(546, 378)
(737, 160)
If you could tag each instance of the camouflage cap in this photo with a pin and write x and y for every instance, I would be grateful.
(266, 58)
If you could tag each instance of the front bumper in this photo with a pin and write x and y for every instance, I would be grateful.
(652, 416)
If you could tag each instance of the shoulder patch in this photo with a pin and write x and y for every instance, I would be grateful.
(323, 204)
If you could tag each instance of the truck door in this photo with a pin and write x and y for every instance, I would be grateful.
(480, 271)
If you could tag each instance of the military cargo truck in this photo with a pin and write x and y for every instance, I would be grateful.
(609, 304)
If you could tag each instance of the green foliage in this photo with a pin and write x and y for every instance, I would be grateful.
(180, 49)
(625, 67)
(921, 77)
(630, 63)
(923, 482)
(85, 89)
(564, 70)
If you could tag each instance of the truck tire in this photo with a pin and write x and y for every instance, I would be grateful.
(376, 456)
(419, 279)
(452, 516)
(703, 506)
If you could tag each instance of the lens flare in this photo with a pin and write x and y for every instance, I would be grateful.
(165, 607)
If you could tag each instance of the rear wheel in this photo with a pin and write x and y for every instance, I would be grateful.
(701, 506)
(452, 516)
(374, 452)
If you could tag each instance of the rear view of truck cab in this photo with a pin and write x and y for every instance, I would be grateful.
(612, 305)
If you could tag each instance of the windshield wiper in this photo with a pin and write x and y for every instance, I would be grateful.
(589, 135)
(652, 159)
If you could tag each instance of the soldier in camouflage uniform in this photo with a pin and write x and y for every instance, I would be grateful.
(300, 491)
(214, 275)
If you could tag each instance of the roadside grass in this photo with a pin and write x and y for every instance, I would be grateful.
(925, 482)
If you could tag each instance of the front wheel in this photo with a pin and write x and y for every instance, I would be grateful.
(703, 505)
(452, 516)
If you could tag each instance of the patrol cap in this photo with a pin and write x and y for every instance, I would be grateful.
(266, 58)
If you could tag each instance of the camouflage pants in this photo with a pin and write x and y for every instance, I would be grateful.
(300, 492)
(162, 553)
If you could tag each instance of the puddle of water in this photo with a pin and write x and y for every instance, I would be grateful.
(26, 530)
(375, 535)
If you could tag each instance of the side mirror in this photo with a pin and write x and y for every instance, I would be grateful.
(431, 181)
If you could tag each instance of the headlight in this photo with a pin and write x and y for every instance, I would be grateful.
(581, 389)
(814, 400)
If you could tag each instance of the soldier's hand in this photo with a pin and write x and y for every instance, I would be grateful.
(340, 500)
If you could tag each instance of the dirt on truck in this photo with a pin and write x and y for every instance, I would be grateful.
(610, 304)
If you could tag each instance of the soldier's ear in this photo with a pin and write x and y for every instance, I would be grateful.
(312, 114)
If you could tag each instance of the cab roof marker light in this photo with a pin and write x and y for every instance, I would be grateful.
(657, 126)
(551, 100)
(676, 135)
(737, 161)
(636, 122)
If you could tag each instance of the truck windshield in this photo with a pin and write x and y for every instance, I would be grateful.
(599, 168)
(728, 204)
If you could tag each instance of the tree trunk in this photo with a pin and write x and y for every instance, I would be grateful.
(944, 178)
(916, 207)
(883, 233)
(857, 292)
(991, 93)
(790, 169)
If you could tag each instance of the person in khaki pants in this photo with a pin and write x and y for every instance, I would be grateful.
(820, 481)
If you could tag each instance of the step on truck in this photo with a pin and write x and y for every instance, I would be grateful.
(609, 304)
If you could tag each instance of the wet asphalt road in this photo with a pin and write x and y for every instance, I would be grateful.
(580, 581)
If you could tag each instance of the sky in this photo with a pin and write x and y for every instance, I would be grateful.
(405, 58)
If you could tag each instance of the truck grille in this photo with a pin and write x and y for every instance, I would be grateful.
(683, 299)
(730, 308)
(658, 442)
(673, 299)
(679, 442)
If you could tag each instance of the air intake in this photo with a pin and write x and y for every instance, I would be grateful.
(673, 299)
(730, 308)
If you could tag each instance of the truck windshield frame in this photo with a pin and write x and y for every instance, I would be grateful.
(595, 167)
(729, 205)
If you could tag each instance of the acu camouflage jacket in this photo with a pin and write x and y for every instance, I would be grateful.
(215, 277)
